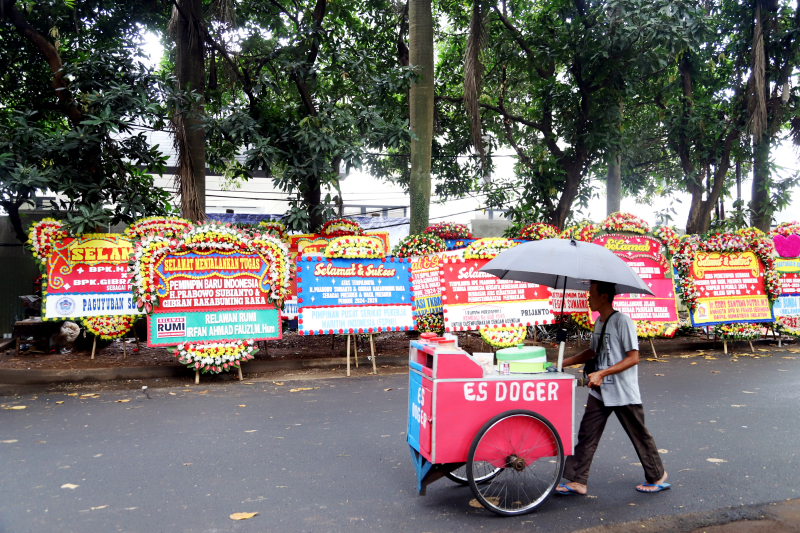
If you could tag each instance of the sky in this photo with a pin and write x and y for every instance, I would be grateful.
(362, 188)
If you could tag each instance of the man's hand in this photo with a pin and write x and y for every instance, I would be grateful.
(595, 380)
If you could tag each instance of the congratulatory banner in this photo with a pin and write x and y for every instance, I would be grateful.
(168, 329)
(731, 288)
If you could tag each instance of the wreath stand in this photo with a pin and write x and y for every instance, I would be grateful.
(355, 353)
(652, 347)
(197, 375)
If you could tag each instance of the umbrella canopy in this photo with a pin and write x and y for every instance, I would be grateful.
(549, 262)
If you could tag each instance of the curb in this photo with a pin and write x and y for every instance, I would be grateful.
(78, 375)
(45, 376)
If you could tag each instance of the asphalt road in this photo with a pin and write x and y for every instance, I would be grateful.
(334, 458)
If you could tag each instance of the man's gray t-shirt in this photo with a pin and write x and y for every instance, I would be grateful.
(622, 388)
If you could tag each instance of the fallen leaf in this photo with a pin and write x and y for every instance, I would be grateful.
(492, 499)
(663, 450)
(762, 350)
(660, 375)
(387, 390)
(707, 358)
(738, 405)
(251, 431)
(748, 392)
(186, 390)
(715, 460)
(243, 405)
(187, 464)
(60, 402)
(684, 470)
(172, 394)
(202, 392)
(42, 441)
(90, 395)
(658, 360)
(242, 516)
(122, 401)
(96, 508)
(715, 371)
(787, 358)
(278, 383)
(302, 389)
(69, 486)
(72, 394)
(636, 464)
(385, 436)
(249, 383)
(98, 455)
(12, 441)
(692, 363)
(17, 407)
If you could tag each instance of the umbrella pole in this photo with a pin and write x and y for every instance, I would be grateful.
(562, 335)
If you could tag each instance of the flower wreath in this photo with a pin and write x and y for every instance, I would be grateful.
(418, 245)
(42, 236)
(449, 230)
(538, 231)
(503, 337)
(109, 327)
(433, 323)
(340, 227)
(725, 242)
(488, 248)
(737, 332)
(584, 231)
(669, 238)
(355, 247)
(214, 356)
(786, 229)
(583, 320)
(788, 325)
(167, 226)
(273, 229)
(750, 234)
(624, 222)
(212, 236)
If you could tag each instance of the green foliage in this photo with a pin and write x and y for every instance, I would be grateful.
(304, 95)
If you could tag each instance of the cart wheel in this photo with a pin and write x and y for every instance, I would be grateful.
(529, 456)
(484, 472)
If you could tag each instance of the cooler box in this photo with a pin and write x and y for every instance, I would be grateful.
(524, 359)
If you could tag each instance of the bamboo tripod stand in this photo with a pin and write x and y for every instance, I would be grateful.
(355, 353)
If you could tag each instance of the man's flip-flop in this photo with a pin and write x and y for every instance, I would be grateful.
(568, 492)
(661, 486)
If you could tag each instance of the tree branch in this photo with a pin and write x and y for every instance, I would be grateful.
(521, 42)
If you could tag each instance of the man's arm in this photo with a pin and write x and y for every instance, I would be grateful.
(580, 358)
(631, 359)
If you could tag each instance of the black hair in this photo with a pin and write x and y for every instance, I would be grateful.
(604, 287)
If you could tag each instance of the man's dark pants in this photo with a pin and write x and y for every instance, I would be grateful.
(594, 422)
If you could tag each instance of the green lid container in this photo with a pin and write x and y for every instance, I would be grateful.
(524, 359)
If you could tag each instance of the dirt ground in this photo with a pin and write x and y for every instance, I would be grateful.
(292, 346)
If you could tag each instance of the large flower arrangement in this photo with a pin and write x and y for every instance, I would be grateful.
(418, 245)
(488, 248)
(213, 236)
(108, 327)
(214, 356)
(503, 337)
(583, 320)
(166, 226)
(42, 236)
(788, 325)
(584, 231)
(340, 227)
(355, 247)
(538, 231)
(669, 238)
(449, 230)
(624, 222)
(750, 234)
(724, 243)
(736, 332)
(433, 323)
(273, 228)
(786, 229)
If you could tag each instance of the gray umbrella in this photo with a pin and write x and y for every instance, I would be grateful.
(565, 264)
(552, 261)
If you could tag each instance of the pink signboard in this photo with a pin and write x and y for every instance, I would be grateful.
(472, 299)
(643, 254)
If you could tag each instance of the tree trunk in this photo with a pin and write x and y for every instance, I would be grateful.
(312, 196)
(190, 67)
(12, 208)
(421, 111)
(614, 186)
(760, 210)
(559, 216)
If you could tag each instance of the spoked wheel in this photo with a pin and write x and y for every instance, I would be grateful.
(484, 472)
(529, 456)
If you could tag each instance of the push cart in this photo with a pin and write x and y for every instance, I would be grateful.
(506, 436)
